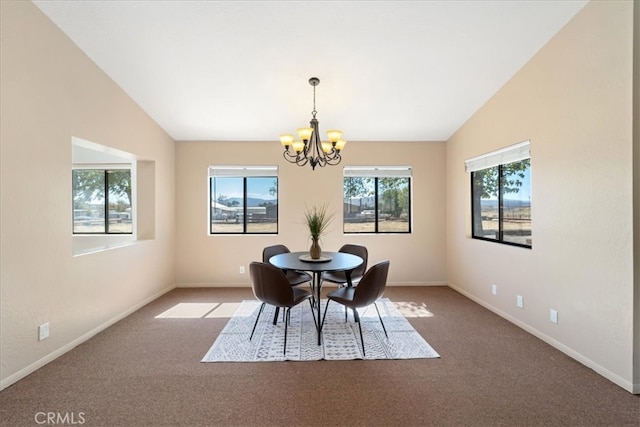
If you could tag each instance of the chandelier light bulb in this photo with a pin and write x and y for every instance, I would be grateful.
(286, 139)
(334, 135)
(305, 133)
(298, 146)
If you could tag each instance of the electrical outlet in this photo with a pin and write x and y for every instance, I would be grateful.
(43, 331)
(553, 316)
(494, 289)
(242, 269)
(520, 301)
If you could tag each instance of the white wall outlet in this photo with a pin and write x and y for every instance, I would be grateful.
(242, 269)
(43, 331)
(494, 289)
(520, 301)
(553, 316)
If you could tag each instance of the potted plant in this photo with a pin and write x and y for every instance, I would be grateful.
(317, 219)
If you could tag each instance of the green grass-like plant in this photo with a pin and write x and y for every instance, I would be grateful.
(317, 219)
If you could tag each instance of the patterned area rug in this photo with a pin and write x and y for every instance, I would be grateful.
(340, 339)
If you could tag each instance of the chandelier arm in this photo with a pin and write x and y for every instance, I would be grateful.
(302, 159)
(333, 154)
(314, 142)
(334, 160)
(307, 147)
(321, 161)
(296, 158)
(288, 156)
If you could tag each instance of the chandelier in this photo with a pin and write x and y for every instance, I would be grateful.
(310, 149)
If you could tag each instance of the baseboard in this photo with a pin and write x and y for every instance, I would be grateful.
(12, 379)
(213, 285)
(248, 285)
(392, 284)
(611, 376)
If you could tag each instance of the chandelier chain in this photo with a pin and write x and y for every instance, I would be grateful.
(314, 112)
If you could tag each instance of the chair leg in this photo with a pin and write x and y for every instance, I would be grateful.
(286, 323)
(324, 316)
(275, 316)
(355, 315)
(313, 313)
(380, 317)
(257, 318)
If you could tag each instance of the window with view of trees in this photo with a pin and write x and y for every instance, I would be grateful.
(243, 200)
(102, 201)
(501, 196)
(377, 200)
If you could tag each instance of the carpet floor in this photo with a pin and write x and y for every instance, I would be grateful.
(145, 371)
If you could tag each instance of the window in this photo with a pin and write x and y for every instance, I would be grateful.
(243, 200)
(102, 201)
(501, 195)
(113, 198)
(377, 199)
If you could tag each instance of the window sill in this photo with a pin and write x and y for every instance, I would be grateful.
(85, 245)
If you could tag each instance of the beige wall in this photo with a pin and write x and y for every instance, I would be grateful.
(203, 260)
(573, 100)
(52, 92)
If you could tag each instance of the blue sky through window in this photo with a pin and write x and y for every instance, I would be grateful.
(257, 188)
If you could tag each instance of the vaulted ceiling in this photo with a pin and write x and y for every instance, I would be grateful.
(239, 70)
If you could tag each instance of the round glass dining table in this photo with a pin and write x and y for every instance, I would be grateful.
(329, 261)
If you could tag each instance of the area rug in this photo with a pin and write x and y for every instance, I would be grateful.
(340, 339)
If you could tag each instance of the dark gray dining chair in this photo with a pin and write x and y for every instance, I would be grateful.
(368, 291)
(340, 277)
(271, 286)
(294, 277)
